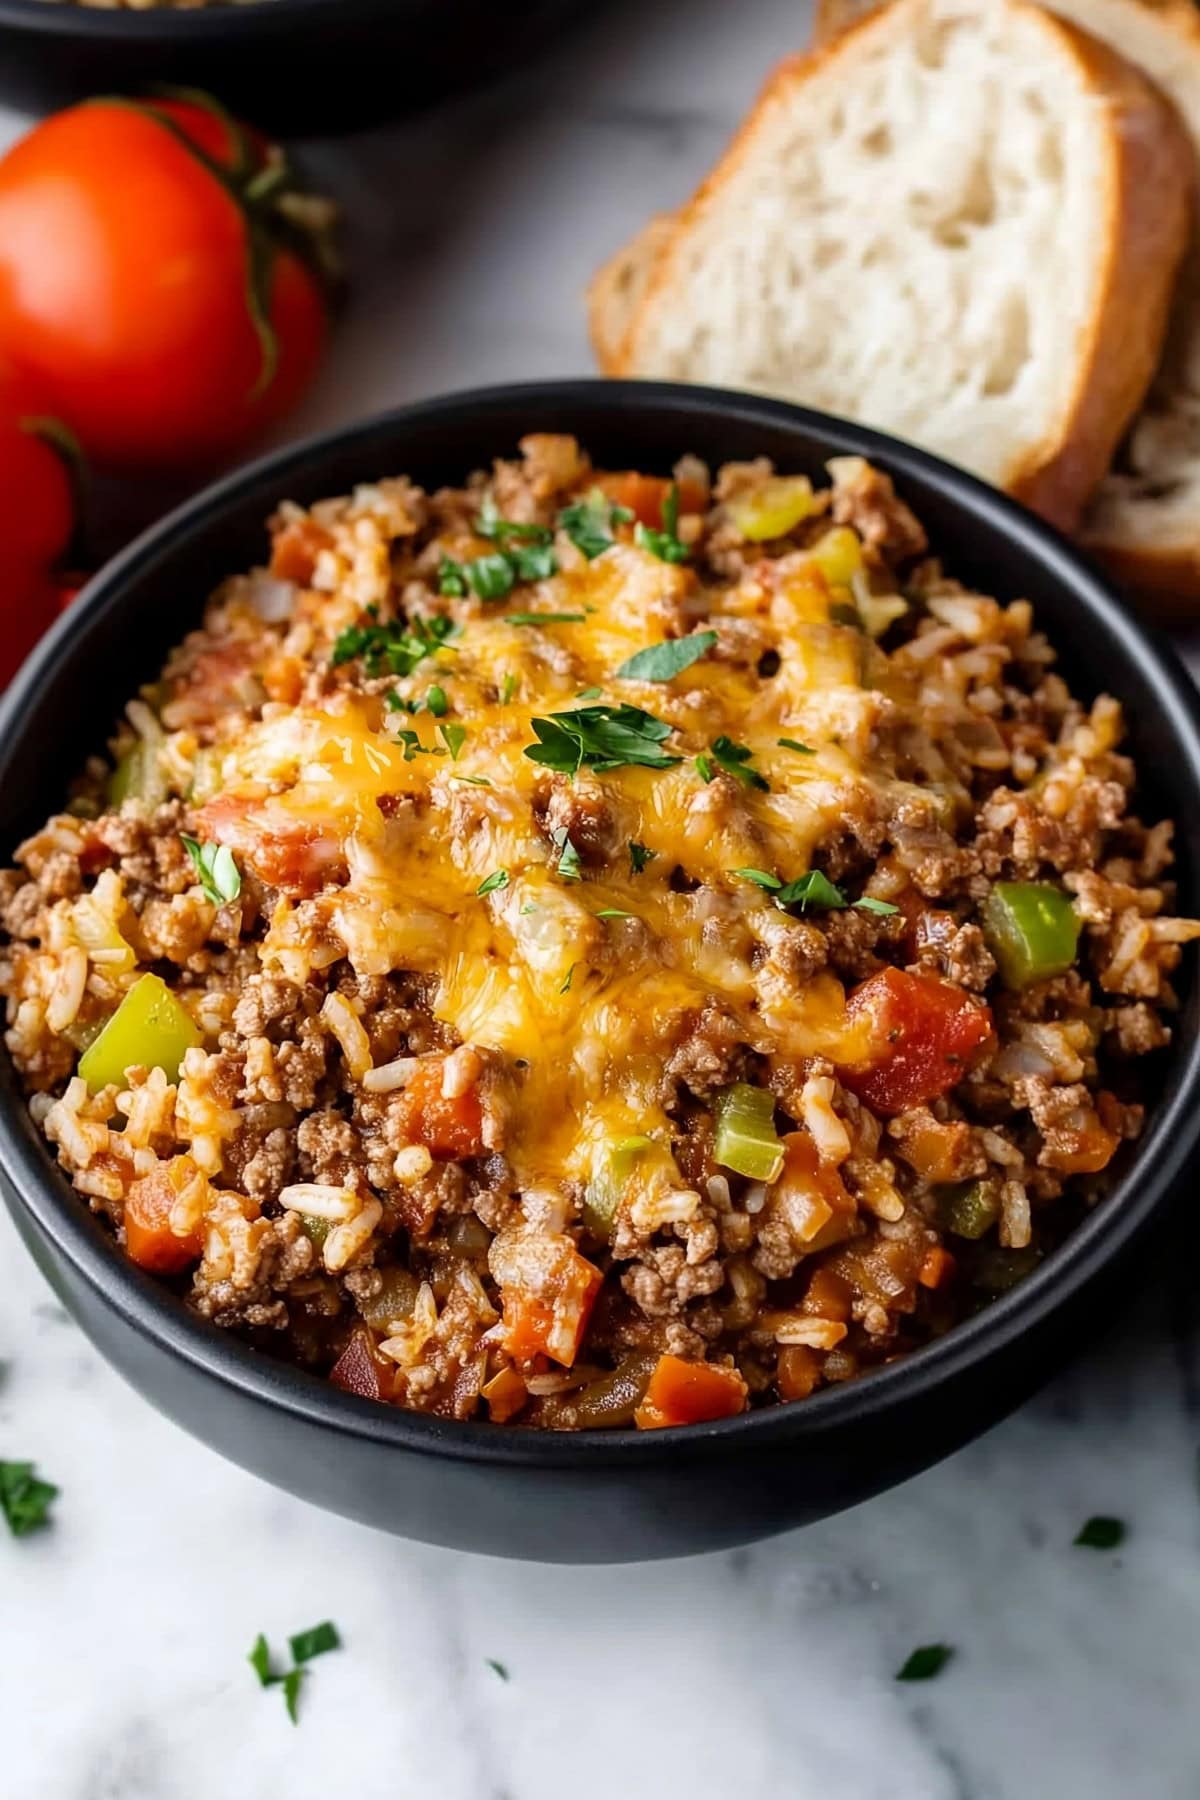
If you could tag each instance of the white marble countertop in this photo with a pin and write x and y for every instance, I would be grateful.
(767, 1671)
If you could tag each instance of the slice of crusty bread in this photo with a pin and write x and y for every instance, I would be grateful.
(960, 222)
(617, 290)
(1145, 518)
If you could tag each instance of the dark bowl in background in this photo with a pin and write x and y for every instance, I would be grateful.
(299, 66)
(592, 1496)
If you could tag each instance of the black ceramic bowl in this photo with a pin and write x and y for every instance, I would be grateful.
(593, 1496)
(303, 66)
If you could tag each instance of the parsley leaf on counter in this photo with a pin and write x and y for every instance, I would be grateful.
(395, 648)
(664, 544)
(589, 523)
(260, 1661)
(1101, 1533)
(490, 883)
(639, 856)
(925, 1662)
(216, 868)
(24, 1499)
(662, 662)
(735, 760)
(602, 737)
(316, 1641)
(497, 1668)
(291, 1692)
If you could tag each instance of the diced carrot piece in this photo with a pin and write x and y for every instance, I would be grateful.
(926, 1034)
(149, 1240)
(548, 1291)
(361, 1370)
(644, 495)
(447, 1127)
(937, 1268)
(689, 1393)
(295, 550)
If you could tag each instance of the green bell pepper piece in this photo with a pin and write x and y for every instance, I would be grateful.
(603, 1193)
(149, 1027)
(746, 1140)
(1032, 930)
(968, 1209)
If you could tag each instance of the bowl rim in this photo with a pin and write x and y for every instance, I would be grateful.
(157, 1314)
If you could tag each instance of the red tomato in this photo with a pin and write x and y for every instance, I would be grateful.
(284, 851)
(644, 495)
(926, 1033)
(688, 1393)
(125, 276)
(447, 1127)
(37, 521)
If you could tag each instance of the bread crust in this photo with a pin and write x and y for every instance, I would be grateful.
(1146, 192)
(615, 290)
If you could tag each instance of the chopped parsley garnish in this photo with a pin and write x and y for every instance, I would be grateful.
(437, 703)
(925, 1662)
(1101, 1533)
(454, 736)
(497, 1668)
(508, 688)
(412, 745)
(475, 780)
(664, 544)
(639, 856)
(24, 1499)
(592, 693)
(497, 879)
(491, 577)
(216, 868)
(395, 649)
(589, 523)
(600, 737)
(568, 855)
(735, 760)
(544, 618)
(814, 889)
(490, 525)
(316, 1641)
(567, 979)
(795, 744)
(614, 912)
(662, 662)
(452, 579)
(706, 768)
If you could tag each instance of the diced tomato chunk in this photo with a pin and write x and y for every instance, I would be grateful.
(644, 495)
(937, 1268)
(688, 1393)
(926, 1034)
(149, 1240)
(447, 1127)
(548, 1291)
(361, 1370)
(291, 854)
